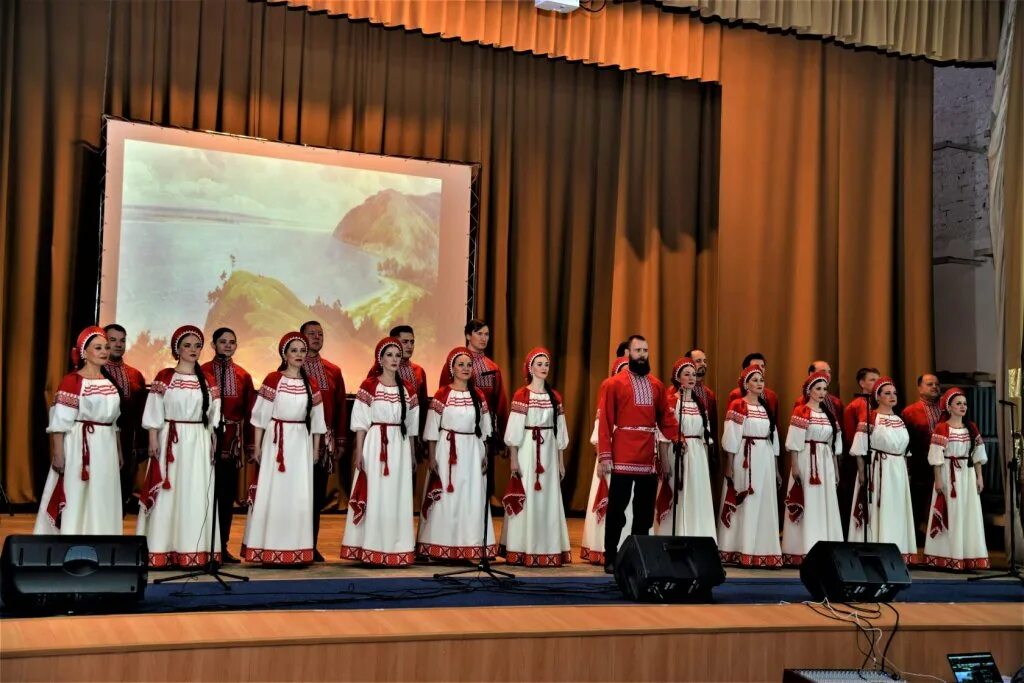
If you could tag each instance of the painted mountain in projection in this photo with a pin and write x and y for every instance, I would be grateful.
(402, 229)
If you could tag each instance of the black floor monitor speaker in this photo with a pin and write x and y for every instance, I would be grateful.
(62, 573)
(854, 572)
(668, 568)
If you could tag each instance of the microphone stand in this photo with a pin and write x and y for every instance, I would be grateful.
(868, 469)
(211, 568)
(677, 479)
(1016, 453)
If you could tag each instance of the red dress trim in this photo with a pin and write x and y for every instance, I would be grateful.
(958, 565)
(792, 560)
(592, 556)
(454, 552)
(377, 557)
(745, 560)
(185, 560)
(303, 556)
(531, 560)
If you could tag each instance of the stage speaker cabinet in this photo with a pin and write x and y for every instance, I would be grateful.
(668, 568)
(73, 573)
(854, 572)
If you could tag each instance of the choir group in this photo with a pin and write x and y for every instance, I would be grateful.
(657, 467)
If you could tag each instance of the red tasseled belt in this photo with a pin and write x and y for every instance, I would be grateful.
(88, 427)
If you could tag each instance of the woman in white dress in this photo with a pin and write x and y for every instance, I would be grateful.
(882, 510)
(748, 526)
(956, 528)
(537, 437)
(814, 442)
(455, 432)
(385, 418)
(695, 510)
(182, 411)
(592, 548)
(288, 422)
(82, 491)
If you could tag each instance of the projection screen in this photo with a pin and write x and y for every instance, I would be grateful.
(225, 231)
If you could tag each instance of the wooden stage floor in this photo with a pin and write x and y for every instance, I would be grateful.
(566, 643)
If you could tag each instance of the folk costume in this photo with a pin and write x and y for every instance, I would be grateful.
(535, 533)
(812, 505)
(85, 498)
(379, 528)
(177, 501)
(884, 506)
(451, 517)
(592, 549)
(234, 436)
(921, 417)
(748, 524)
(289, 411)
(688, 429)
(328, 377)
(956, 529)
(134, 439)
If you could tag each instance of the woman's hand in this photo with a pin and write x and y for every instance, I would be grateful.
(860, 477)
(561, 468)
(727, 465)
(359, 461)
(483, 465)
(58, 463)
(432, 462)
(981, 485)
(778, 479)
(513, 461)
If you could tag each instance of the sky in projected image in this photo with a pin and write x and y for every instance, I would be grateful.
(261, 244)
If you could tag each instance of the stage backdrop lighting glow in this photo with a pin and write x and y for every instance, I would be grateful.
(225, 231)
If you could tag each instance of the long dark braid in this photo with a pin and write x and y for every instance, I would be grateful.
(703, 415)
(401, 399)
(110, 378)
(771, 418)
(555, 406)
(309, 397)
(831, 419)
(476, 408)
(201, 378)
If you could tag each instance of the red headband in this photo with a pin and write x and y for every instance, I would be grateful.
(749, 371)
(378, 355)
(617, 364)
(84, 337)
(680, 364)
(814, 378)
(532, 356)
(183, 332)
(879, 384)
(288, 338)
(950, 394)
(449, 363)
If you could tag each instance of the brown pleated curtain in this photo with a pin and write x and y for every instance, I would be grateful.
(787, 212)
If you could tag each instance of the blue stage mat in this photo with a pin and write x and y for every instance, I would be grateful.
(388, 593)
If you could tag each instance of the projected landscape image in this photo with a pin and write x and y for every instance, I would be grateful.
(262, 244)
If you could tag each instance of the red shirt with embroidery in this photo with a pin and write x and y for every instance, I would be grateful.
(834, 406)
(415, 376)
(332, 389)
(237, 396)
(631, 411)
(133, 387)
(853, 414)
(921, 417)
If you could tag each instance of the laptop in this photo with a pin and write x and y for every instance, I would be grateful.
(974, 667)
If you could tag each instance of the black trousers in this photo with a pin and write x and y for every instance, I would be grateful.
(320, 477)
(129, 504)
(225, 473)
(644, 488)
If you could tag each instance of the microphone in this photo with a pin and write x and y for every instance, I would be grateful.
(863, 395)
(1007, 403)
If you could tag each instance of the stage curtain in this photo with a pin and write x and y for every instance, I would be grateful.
(944, 30)
(787, 212)
(627, 35)
(1006, 222)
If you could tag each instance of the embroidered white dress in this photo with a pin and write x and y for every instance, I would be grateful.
(751, 538)
(961, 545)
(178, 525)
(385, 535)
(592, 547)
(453, 529)
(890, 512)
(279, 527)
(537, 536)
(811, 436)
(93, 505)
(695, 510)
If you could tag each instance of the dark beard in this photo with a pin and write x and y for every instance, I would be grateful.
(639, 367)
(701, 373)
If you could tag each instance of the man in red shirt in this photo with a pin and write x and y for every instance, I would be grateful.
(630, 414)
(921, 418)
(412, 373)
(134, 439)
(235, 432)
(834, 404)
(332, 389)
(855, 412)
(769, 396)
